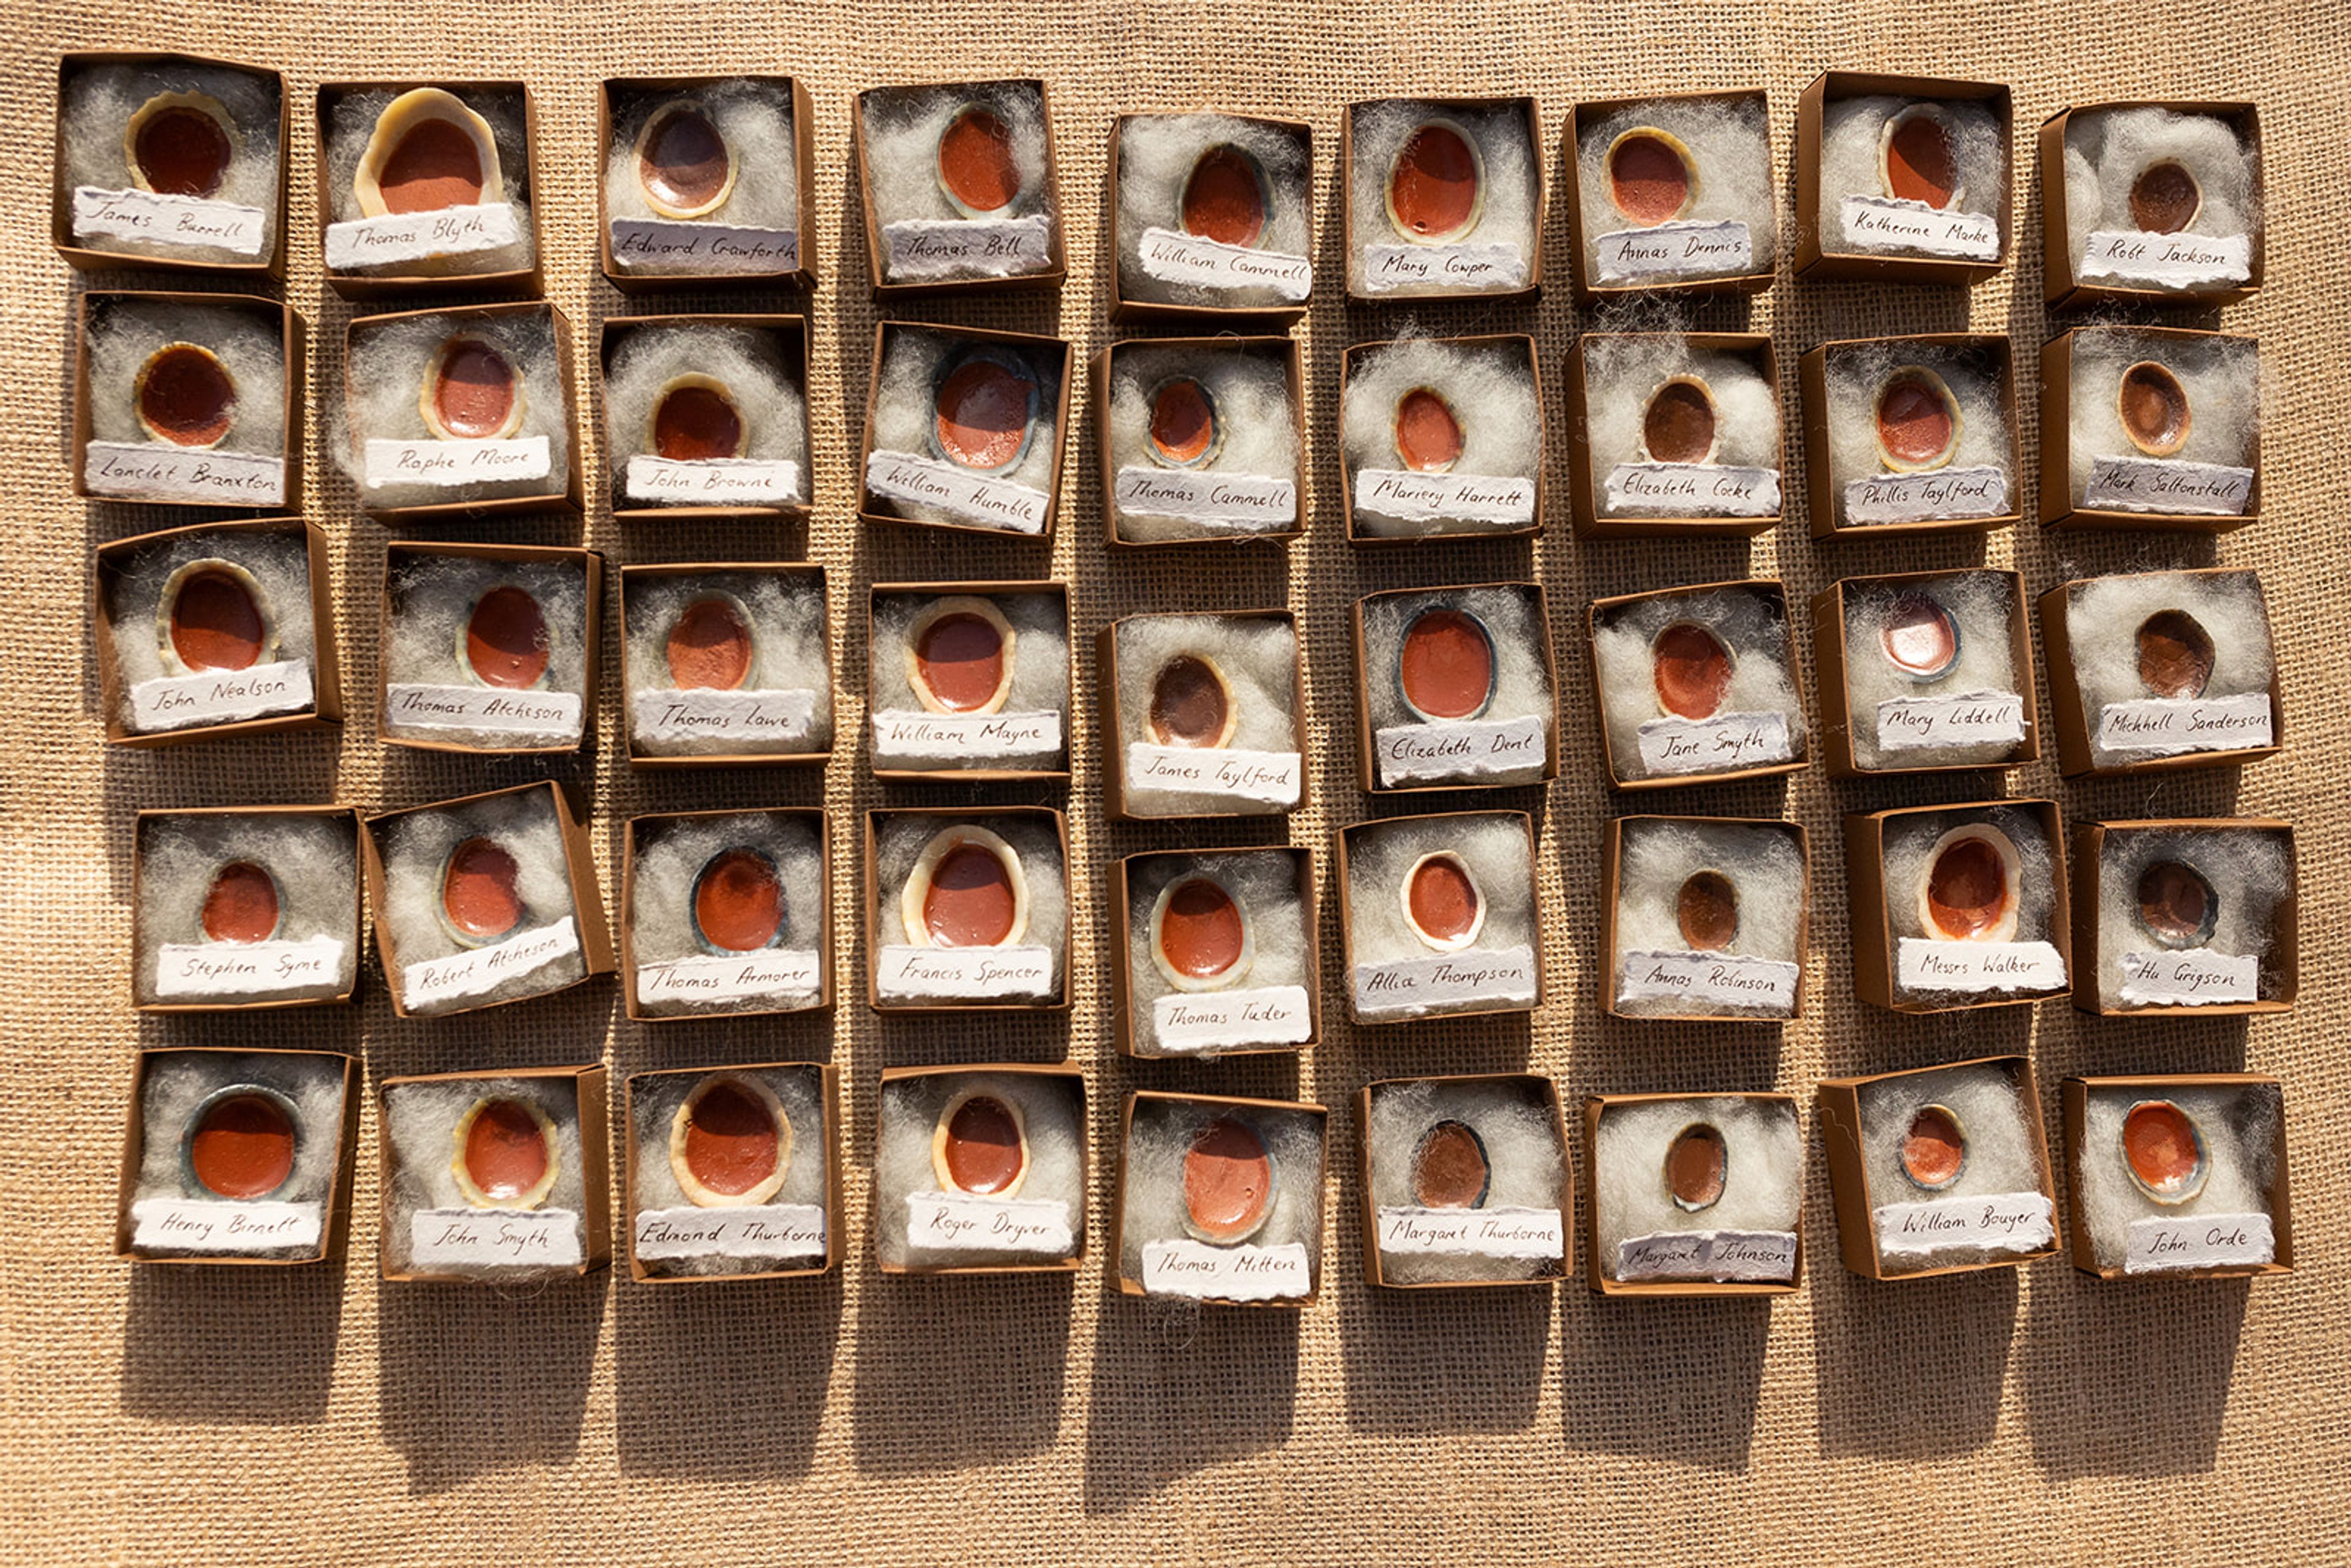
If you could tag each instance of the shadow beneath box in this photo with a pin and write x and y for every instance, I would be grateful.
(1672, 1379)
(2129, 1378)
(958, 1374)
(1178, 1388)
(231, 1346)
(474, 1379)
(724, 1380)
(1908, 1369)
(1427, 1362)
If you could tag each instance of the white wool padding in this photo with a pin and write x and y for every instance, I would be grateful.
(177, 1081)
(1857, 372)
(2107, 150)
(2251, 869)
(433, 599)
(1156, 153)
(419, 1122)
(102, 97)
(279, 562)
(1162, 1133)
(1730, 142)
(1380, 854)
(1907, 853)
(653, 1104)
(1258, 656)
(1040, 668)
(902, 126)
(1852, 134)
(1491, 390)
(1513, 183)
(384, 379)
(2102, 617)
(415, 848)
(314, 861)
(1622, 371)
(1522, 687)
(1765, 867)
(1526, 1166)
(1762, 1168)
(1750, 623)
(1052, 1111)
(1980, 603)
(2000, 1130)
(1264, 883)
(351, 120)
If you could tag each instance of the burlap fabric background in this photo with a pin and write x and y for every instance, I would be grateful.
(235, 1415)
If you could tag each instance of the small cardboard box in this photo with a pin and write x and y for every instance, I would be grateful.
(566, 499)
(875, 248)
(1590, 113)
(270, 264)
(1837, 1103)
(828, 1103)
(2285, 920)
(1772, 591)
(945, 818)
(1123, 976)
(376, 285)
(325, 673)
(869, 505)
(580, 863)
(1347, 925)
(1584, 480)
(2057, 509)
(1059, 590)
(591, 564)
(347, 815)
(1516, 343)
(1123, 308)
(1836, 697)
(292, 337)
(1874, 947)
(334, 1238)
(1075, 1082)
(1612, 874)
(1816, 261)
(595, 1162)
(1596, 1106)
(1114, 737)
(1128, 1285)
(635, 830)
(2058, 287)
(2075, 721)
(801, 277)
(644, 572)
(1543, 1094)
(1367, 770)
(1811, 373)
(1348, 240)
(2074, 1095)
(790, 335)
(1284, 348)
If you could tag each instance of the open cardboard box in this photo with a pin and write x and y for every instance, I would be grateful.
(1285, 349)
(643, 571)
(350, 818)
(1543, 1094)
(1611, 872)
(828, 1101)
(1836, 697)
(1075, 1079)
(1059, 590)
(1520, 342)
(1030, 341)
(1811, 373)
(791, 335)
(1114, 741)
(326, 675)
(1874, 945)
(2073, 1096)
(2058, 287)
(334, 1237)
(1123, 309)
(1123, 967)
(1366, 760)
(1596, 1106)
(591, 564)
(1130, 1286)
(2285, 944)
(875, 249)
(1591, 112)
(1772, 591)
(1347, 925)
(947, 817)
(633, 831)
(1817, 261)
(375, 285)
(1349, 239)
(800, 276)
(2057, 509)
(1584, 480)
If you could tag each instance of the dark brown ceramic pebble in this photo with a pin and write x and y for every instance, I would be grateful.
(1447, 665)
(243, 1146)
(1696, 1167)
(732, 1141)
(1449, 1169)
(970, 902)
(961, 659)
(479, 891)
(1182, 422)
(181, 151)
(2176, 903)
(473, 389)
(2175, 654)
(1692, 671)
(436, 165)
(1915, 425)
(1920, 163)
(1918, 635)
(1201, 932)
(694, 424)
(186, 397)
(683, 163)
(2154, 409)
(739, 900)
(216, 624)
(505, 639)
(506, 1150)
(1707, 909)
(1648, 180)
(1189, 705)
(1442, 899)
(984, 1150)
(982, 414)
(975, 163)
(1227, 1180)
(1679, 425)
(1433, 187)
(241, 905)
(1966, 889)
(2165, 199)
(1225, 198)
(709, 647)
(1427, 436)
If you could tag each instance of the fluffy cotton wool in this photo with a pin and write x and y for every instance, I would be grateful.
(2240, 1123)
(900, 844)
(1258, 659)
(2102, 624)
(1255, 421)
(2002, 1139)
(125, 333)
(1040, 674)
(756, 119)
(1156, 155)
(2107, 150)
(750, 362)
(1858, 373)
(415, 848)
(1264, 883)
(2250, 869)
(788, 651)
(906, 411)
(1512, 186)
(1765, 868)
(1750, 623)
(1729, 143)
(100, 98)
(1853, 134)
(655, 1102)
(1490, 388)
(419, 1122)
(1762, 1169)
(177, 1081)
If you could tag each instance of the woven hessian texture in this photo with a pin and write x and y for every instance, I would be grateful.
(2015, 1415)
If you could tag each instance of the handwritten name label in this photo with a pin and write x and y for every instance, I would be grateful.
(199, 1225)
(714, 481)
(218, 696)
(477, 969)
(1888, 223)
(452, 463)
(2203, 1241)
(2168, 485)
(713, 247)
(1975, 718)
(1192, 1023)
(1499, 977)
(1670, 250)
(2168, 261)
(1695, 489)
(1717, 745)
(1708, 979)
(1448, 748)
(760, 1230)
(492, 1238)
(1242, 1273)
(540, 715)
(192, 221)
(246, 968)
(1474, 1232)
(2196, 976)
(1010, 973)
(1445, 497)
(1174, 258)
(698, 713)
(776, 972)
(963, 1222)
(1270, 778)
(923, 249)
(1999, 1222)
(1922, 964)
(158, 471)
(1743, 1257)
(1947, 493)
(2173, 725)
(1482, 269)
(1001, 737)
(1251, 501)
(415, 237)
(975, 497)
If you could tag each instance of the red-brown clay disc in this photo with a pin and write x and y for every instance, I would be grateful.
(1679, 425)
(2153, 405)
(1918, 635)
(506, 1150)
(479, 891)
(1433, 187)
(1201, 932)
(1189, 704)
(2162, 1147)
(739, 900)
(1447, 665)
(1227, 1180)
(975, 163)
(1692, 671)
(183, 152)
(1183, 421)
(473, 389)
(709, 647)
(435, 165)
(1696, 1167)
(2176, 904)
(1934, 1150)
(186, 397)
(2165, 199)
(982, 414)
(1428, 437)
(1920, 163)
(1449, 1168)
(1442, 900)
(984, 1150)
(241, 905)
(216, 624)
(1224, 200)
(732, 1143)
(1966, 889)
(1648, 180)
(684, 160)
(2175, 654)
(243, 1146)
(970, 900)
(961, 658)
(1914, 421)
(1707, 909)
(505, 639)
(694, 424)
